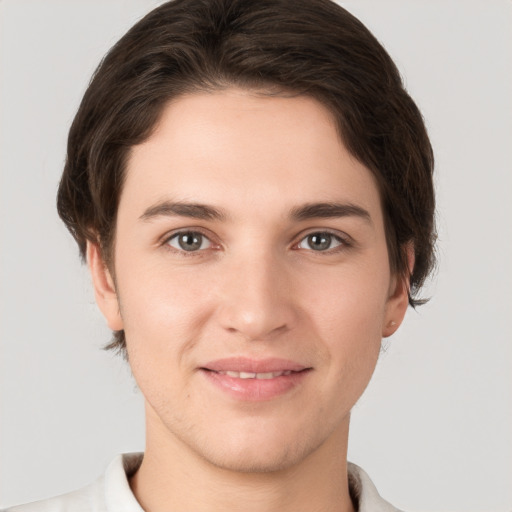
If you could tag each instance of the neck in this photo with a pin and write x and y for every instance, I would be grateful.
(173, 477)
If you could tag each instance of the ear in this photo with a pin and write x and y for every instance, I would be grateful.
(104, 287)
(398, 299)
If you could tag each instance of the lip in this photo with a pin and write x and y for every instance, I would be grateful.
(246, 364)
(254, 389)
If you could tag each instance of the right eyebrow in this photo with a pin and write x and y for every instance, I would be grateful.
(192, 210)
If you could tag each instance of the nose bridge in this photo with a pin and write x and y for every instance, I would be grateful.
(256, 296)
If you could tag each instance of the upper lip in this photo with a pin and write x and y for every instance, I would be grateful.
(245, 364)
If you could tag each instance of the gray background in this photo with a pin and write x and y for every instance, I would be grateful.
(433, 429)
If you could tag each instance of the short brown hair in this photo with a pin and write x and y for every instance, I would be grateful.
(305, 47)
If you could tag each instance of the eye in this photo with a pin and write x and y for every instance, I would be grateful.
(320, 242)
(189, 241)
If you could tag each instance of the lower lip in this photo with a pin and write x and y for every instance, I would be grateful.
(255, 390)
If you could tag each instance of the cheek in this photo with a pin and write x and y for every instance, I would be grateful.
(162, 309)
(347, 300)
(346, 310)
(163, 314)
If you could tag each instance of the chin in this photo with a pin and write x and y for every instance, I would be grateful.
(253, 459)
(255, 451)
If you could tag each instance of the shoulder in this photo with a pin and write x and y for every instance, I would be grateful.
(88, 499)
(364, 493)
(110, 493)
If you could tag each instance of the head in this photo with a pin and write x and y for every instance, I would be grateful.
(285, 59)
(313, 48)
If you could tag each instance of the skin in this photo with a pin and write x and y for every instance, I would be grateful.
(256, 288)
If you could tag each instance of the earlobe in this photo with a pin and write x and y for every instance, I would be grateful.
(395, 310)
(104, 287)
(398, 300)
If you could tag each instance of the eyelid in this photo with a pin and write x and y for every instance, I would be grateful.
(176, 237)
(345, 240)
(164, 241)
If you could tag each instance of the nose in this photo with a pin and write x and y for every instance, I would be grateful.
(256, 298)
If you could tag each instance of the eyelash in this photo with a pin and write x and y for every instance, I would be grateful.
(344, 242)
(183, 252)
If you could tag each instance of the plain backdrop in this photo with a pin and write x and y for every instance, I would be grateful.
(434, 428)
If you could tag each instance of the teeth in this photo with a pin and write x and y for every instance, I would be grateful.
(268, 375)
(250, 375)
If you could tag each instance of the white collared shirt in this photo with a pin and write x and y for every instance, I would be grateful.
(112, 493)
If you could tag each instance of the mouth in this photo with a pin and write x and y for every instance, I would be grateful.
(250, 375)
(255, 380)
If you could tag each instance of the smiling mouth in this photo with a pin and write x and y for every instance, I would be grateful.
(251, 375)
(249, 368)
(256, 386)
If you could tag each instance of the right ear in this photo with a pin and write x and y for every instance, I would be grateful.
(104, 287)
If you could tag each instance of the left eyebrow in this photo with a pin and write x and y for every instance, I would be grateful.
(329, 210)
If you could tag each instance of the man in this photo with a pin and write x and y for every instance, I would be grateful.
(252, 188)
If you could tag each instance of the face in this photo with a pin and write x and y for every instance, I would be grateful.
(251, 278)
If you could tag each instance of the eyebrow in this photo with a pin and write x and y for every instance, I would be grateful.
(181, 209)
(299, 213)
(329, 211)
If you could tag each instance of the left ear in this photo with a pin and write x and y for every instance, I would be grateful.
(398, 299)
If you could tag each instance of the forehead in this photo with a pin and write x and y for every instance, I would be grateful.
(243, 150)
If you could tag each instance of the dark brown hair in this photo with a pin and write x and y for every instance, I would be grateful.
(305, 47)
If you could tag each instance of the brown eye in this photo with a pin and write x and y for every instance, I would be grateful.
(189, 241)
(320, 242)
